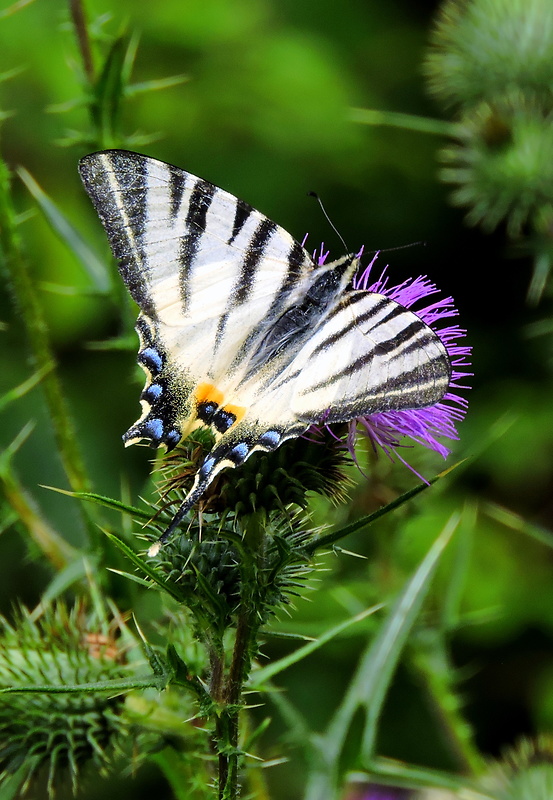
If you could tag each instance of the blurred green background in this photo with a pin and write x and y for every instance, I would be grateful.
(264, 113)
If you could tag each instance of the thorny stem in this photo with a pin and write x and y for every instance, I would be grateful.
(228, 731)
(246, 631)
(78, 16)
(217, 665)
(430, 660)
(39, 340)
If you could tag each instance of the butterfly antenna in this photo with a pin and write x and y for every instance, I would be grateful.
(422, 243)
(332, 225)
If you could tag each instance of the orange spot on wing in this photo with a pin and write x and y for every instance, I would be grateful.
(238, 411)
(207, 392)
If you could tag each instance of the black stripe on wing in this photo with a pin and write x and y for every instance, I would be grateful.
(419, 387)
(117, 184)
(252, 257)
(241, 216)
(264, 335)
(355, 321)
(177, 187)
(201, 198)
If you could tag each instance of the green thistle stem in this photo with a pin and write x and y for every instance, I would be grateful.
(37, 334)
(79, 21)
(227, 727)
(229, 719)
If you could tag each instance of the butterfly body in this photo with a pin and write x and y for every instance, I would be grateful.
(239, 328)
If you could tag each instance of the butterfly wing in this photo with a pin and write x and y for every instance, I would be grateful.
(370, 354)
(238, 328)
(208, 272)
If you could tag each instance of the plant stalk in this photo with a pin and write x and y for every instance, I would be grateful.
(33, 320)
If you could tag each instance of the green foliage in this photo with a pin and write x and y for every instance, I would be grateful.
(492, 61)
(55, 732)
(374, 679)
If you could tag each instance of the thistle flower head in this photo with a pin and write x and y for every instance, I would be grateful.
(482, 49)
(492, 60)
(502, 165)
(49, 733)
(524, 773)
(427, 426)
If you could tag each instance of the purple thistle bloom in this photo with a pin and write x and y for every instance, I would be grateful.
(423, 425)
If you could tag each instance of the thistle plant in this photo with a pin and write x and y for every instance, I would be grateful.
(130, 659)
(489, 63)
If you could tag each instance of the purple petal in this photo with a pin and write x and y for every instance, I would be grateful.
(427, 426)
(423, 425)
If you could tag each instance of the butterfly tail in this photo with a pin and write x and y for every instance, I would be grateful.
(227, 454)
(190, 500)
(232, 450)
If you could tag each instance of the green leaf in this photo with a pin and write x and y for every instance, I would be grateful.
(11, 785)
(264, 674)
(19, 391)
(59, 552)
(108, 93)
(155, 85)
(14, 8)
(107, 502)
(458, 570)
(144, 567)
(540, 276)
(182, 676)
(116, 685)
(372, 677)
(10, 73)
(377, 668)
(408, 122)
(68, 234)
(131, 577)
(73, 573)
(517, 523)
(409, 776)
(334, 536)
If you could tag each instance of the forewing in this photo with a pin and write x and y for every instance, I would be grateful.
(207, 268)
(370, 354)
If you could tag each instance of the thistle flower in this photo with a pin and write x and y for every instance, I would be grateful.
(525, 772)
(427, 426)
(492, 60)
(49, 733)
(501, 165)
(482, 49)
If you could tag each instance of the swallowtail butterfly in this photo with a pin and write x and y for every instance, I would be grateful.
(240, 330)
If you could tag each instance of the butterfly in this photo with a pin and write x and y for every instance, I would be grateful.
(240, 329)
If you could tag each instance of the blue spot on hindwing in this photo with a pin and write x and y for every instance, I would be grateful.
(223, 420)
(239, 453)
(152, 393)
(207, 467)
(151, 359)
(153, 429)
(172, 439)
(206, 410)
(270, 440)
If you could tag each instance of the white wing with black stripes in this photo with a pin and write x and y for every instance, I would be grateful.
(239, 329)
